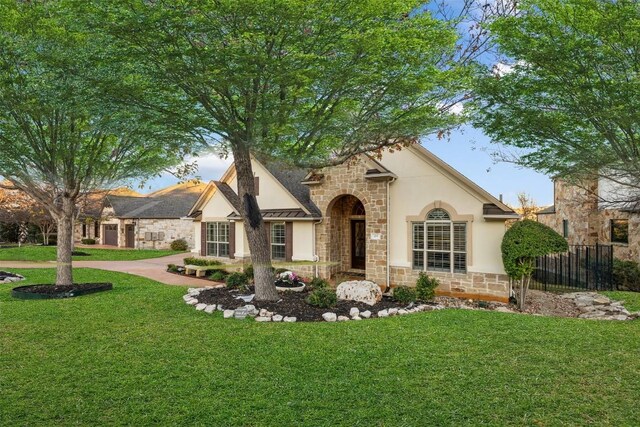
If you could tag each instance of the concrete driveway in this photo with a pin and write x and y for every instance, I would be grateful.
(154, 268)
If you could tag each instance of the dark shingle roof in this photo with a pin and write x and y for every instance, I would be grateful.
(278, 214)
(172, 202)
(230, 195)
(548, 210)
(493, 209)
(291, 178)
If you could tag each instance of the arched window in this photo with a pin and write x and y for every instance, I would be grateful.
(439, 244)
(358, 209)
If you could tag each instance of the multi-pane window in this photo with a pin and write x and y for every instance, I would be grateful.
(620, 231)
(565, 228)
(218, 239)
(278, 240)
(438, 244)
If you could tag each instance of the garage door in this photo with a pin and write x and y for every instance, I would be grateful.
(111, 234)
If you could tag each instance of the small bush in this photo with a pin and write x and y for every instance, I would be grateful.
(317, 283)
(248, 270)
(88, 241)
(179, 245)
(203, 262)
(323, 298)
(404, 294)
(219, 275)
(426, 287)
(237, 280)
(277, 271)
(626, 275)
(172, 268)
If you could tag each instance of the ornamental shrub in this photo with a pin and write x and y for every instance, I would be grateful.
(88, 241)
(248, 270)
(218, 275)
(626, 275)
(521, 245)
(237, 280)
(323, 298)
(404, 294)
(426, 287)
(203, 262)
(317, 283)
(172, 268)
(179, 245)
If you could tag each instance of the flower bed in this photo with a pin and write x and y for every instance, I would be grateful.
(53, 291)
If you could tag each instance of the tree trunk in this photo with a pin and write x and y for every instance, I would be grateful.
(64, 275)
(254, 227)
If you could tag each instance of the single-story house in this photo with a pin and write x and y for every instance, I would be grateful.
(386, 218)
(91, 205)
(152, 221)
(585, 215)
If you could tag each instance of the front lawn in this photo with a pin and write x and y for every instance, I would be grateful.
(138, 355)
(48, 253)
(631, 299)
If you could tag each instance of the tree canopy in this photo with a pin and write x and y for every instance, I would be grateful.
(570, 98)
(61, 132)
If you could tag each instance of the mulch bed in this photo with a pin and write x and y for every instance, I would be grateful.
(5, 274)
(53, 291)
(292, 304)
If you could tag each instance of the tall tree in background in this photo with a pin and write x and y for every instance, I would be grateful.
(308, 81)
(60, 136)
(571, 97)
(18, 208)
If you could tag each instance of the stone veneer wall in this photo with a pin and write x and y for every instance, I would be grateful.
(588, 224)
(349, 179)
(91, 233)
(482, 286)
(173, 229)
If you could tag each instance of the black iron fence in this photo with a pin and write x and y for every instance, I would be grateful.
(582, 268)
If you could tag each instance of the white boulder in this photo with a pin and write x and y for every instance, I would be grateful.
(210, 309)
(366, 314)
(228, 314)
(276, 318)
(354, 312)
(290, 319)
(329, 317)
(359, 290)
(201, 306)
(342, 318)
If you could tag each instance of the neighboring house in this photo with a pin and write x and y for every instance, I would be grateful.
(584, 215)
(152, 221)
(387, 219)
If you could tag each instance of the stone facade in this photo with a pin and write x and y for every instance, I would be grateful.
(340, 189)
(588, 223)
(168, 229)
(90, 227)
(480, 286)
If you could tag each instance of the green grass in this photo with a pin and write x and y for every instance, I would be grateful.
(631, 299)
(138, 355)
(48, 253)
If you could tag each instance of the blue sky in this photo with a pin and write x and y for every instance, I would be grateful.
(468, 150)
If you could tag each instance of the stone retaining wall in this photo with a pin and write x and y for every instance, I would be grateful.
(482, 286)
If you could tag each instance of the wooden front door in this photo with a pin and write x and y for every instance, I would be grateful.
(358, 244)
(110, 234)
(129, 234)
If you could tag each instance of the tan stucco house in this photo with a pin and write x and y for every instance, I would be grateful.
(584, 214)
(387, 219)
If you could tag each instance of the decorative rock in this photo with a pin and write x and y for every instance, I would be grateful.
(354, 312)
(219, 307)
(192, 301)
(356, 318)
(276, 318)
(366, 314)
(241, 313)
(187, 297)
(329, 317)
(210, 309)
(342, 318)
(383, 313)
(402, 311)
(393, 311)
(503, 309)
(290, 319)
(251, 310)
(359, 290)
(601, 300)
(263, 319)
(201, 306)
(265, 313)
(228, 314)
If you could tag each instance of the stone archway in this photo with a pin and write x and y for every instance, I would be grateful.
(347, 234)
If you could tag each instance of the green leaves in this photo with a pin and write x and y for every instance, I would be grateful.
(572, 99)
(526, 240)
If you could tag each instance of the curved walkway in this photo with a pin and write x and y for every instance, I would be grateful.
(154, 269)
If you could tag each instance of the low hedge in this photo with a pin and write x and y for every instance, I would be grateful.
(203, 262)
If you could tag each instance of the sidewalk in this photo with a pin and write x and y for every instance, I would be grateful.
(154, 269)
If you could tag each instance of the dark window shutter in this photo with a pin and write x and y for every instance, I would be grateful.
(267, 226)
(288, 240)
(203, 238)
(96, 230)
(232, 239)
(84, 230)
(256, 185)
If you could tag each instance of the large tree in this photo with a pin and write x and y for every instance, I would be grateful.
(309, 81)
(569, 97)
(20, 209)
(60, 134)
